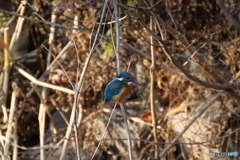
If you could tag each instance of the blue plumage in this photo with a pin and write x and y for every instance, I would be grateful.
(126, 75)
(113, 88)
(119, 87)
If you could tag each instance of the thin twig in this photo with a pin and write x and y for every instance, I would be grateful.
(7, 68)
(41, 120)
(130, 47)
(104, 133)
(30, 148)
(52, 68)
(13, 17)
(230, 18)
(18, 28)
(118, 35)
(117, 48)
(79, 116)
(76, 140)
(40, 83)
(182, 39)
(15, 138)
(79, 88)
(13, 42)
(10, 124)
(128, 131)
(45, 21)
(54, 65)
(204, 108)
(152, 91)
(217, 86)
(42, 109)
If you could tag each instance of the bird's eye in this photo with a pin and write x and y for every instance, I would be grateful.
(129, 79)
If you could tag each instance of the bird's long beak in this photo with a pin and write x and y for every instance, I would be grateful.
(136, 83)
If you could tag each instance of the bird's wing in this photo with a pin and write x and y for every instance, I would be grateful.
(113, 88)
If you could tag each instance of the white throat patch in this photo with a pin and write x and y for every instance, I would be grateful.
(120, 79)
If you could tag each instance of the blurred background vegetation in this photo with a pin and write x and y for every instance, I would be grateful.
(196, 78)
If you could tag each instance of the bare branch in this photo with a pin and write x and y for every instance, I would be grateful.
(230, 18)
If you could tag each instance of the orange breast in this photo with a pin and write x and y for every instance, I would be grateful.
(124, 92)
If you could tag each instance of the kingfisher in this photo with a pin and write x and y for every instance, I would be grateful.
(120, 87)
